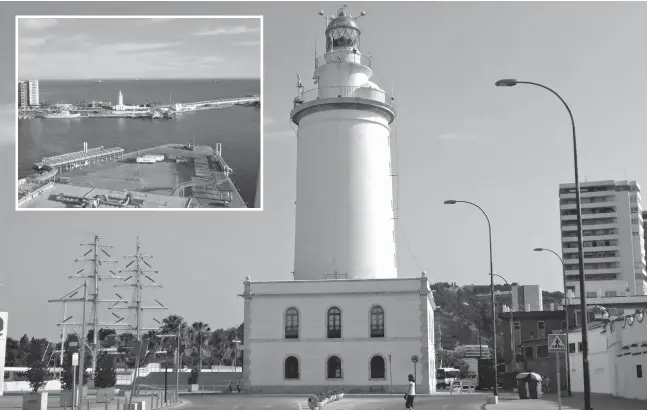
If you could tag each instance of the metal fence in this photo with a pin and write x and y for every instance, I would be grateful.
(347, 58)
(346, 91)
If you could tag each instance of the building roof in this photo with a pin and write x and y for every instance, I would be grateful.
(533, 315)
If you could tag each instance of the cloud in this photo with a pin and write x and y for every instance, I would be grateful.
(268, 121)
(228, 31)
(32, 41)
(248, 43)
(137, 47)
(36, 23)
(456, 137)
(155, 20)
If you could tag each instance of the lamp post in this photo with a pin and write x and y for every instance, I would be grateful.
(566, 315)
(512, 341)
(489, 226)
(580, 253)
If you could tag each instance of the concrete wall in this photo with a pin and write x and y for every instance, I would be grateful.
(613, 359)
(408, 331)
(23, 386)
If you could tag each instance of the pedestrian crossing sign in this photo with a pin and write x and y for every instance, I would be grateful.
(556, 342)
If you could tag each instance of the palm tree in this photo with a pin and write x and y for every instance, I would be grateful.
(200, 333)
(173, 324)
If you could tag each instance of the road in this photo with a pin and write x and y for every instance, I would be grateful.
(440, 401)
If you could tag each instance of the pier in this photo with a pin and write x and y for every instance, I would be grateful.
(72, 160)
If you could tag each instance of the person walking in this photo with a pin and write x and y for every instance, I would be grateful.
(411, 393)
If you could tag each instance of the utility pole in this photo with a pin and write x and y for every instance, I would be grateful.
(96, 248)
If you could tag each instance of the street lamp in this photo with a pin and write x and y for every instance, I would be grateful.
(512, 341)
(580, 253)
(489, 226)
(566, 303)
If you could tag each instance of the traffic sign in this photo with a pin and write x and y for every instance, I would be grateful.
(414, 358)
(75, 359)
(556, 342)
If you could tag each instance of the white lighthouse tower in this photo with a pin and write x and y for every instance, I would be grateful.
(344, 208)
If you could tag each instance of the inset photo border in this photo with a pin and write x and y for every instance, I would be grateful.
(127, 113)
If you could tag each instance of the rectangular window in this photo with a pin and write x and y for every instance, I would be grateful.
(591, 294)
(639, 371)
(563, 325)
(571, 347)
(579, 346)
(610, 293)
(634, 220)
(541, 330)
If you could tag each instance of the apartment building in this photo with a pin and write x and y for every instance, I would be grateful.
(613, 237)
(526, 298)
(28, 93)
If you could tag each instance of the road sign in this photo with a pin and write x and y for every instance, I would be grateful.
(556, 342)
(414, 358)
(75, 359)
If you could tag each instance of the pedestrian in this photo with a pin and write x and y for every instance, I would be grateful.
(238, 386)
(411, 393)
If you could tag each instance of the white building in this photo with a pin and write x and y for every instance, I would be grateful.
(613, 236)
(526, 298)
(617, 358)
(346, 320)
(122, 107)
(28, 93)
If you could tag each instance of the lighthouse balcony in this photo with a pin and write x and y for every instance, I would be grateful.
(346, 57)
(343, 96)
(342, 92)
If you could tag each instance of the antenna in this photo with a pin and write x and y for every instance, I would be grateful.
(139, 273)
(97, 250)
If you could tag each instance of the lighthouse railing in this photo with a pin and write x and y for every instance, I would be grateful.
(338, 58)
(346, 92)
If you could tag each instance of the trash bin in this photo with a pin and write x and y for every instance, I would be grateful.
(534, 386)
(522, 385)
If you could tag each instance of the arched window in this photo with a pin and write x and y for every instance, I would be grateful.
(378, 367)
(334, 323)
(291, 368)
(377, 321)
(292, 323)
(334, 367)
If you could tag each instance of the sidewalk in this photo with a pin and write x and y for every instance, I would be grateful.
(575, 402)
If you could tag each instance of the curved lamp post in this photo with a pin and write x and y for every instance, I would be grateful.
(566, 303)
(512, 341)
(580, 253)
(489, 226)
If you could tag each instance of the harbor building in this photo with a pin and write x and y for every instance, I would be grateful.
(122, 107)
(28, 93)
(613, 237)
(346, 320)
(526, 298)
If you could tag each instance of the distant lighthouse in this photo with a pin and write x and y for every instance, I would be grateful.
(120, 100)
(344, 207)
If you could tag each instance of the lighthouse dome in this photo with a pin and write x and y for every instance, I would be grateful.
(372, 85)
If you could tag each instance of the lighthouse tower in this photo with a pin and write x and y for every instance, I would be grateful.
(344, 207)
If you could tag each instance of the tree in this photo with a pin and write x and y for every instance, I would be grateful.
(200, 333)
(38, 374)
(106, 376)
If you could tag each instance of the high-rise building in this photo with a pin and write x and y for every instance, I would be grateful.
(23, 93)
(28, 93)
(34, 93)
(613, 238)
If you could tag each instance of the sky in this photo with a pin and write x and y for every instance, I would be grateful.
(80, 48)
(458, 137)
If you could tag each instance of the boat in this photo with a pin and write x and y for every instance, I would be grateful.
(96, 82)
(62, 115)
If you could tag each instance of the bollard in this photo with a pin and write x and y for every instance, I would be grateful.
(151, 396)
(117, 402)
(64, 405)
(88, 404)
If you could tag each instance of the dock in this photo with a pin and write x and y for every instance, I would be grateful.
(181, 176)
(73, 160)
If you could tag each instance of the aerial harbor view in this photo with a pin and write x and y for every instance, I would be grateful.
(139, 124)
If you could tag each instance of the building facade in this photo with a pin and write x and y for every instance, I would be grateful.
(613, 237)
(529, 337)
(359, 335)
(617, 357)
(526, 298)
(346, 320)
(28, 93)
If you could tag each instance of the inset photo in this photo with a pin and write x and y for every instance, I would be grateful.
(133, 112)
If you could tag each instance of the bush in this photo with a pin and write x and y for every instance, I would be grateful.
(38, 374)
(105, 375)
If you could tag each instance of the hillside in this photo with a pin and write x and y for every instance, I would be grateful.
(460, 309)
